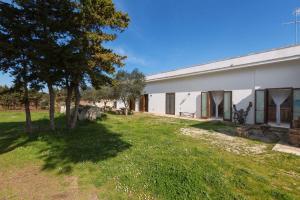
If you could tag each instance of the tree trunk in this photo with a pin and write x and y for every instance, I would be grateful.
(126, 106)
(77, 101)
(105, 102)
(126, 111)
(68, 106)
(27, 110)
(52, 106)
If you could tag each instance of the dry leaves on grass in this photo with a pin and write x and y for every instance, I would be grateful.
(227, 142)
(32, 183)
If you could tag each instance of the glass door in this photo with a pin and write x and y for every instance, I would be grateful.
(260, 106)
(227, 105)
(296, 104)
(170, 103)
(204, 105)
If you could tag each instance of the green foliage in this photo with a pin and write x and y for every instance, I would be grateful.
(16, 49)
(10, 98)
(144, 157)
(59, 43)
(104, 94)
(129, 86)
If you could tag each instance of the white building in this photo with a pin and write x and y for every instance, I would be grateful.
(270, 80)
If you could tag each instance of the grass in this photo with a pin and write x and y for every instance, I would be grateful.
(142, 157)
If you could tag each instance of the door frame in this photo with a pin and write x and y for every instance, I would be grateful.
(209, 104)
(266, 120)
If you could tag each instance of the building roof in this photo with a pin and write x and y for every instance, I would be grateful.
(272, 56)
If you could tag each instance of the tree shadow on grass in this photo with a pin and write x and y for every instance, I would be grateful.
(229, 128)
(217, 126)
(62, 149)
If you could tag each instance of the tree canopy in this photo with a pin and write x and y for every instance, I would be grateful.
(129, 86)
(59, 44)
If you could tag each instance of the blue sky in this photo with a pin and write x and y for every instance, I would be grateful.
(169, 34)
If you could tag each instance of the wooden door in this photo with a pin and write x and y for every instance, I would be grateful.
(146, 104)
(170, 103)
(142, 103)
(132, 104)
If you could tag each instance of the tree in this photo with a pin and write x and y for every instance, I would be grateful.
(52, 22)
(36, 97)
(91, 95)
(16, 52)
(107, 94)
(129, 86)
(32, 32)
(9, 99)
(59, 43)
(98, 23)
(103, 94)
(13, 99)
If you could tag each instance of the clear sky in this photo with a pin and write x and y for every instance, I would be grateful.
(169, 34)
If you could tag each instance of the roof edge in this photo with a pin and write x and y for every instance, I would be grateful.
(231, 67)
(224, 59)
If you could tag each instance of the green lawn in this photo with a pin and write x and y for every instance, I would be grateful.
(135, 157)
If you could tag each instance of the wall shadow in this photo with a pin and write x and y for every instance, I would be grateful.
(90, 142)
(243, 104)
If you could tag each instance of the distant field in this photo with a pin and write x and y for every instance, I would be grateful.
(138, 157)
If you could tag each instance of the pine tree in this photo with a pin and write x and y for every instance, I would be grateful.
(98, 23)
(16, 52)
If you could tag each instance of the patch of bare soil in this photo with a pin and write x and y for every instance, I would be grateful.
(229, 143)
(32, 183)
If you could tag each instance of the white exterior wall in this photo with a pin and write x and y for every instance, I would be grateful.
(120, 104)
(157, 103)
(242, 83)
(101, 104)
(137, 105)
